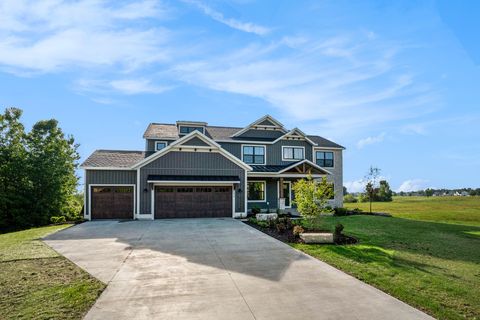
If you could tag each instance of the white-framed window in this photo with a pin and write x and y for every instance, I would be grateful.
(188, 129)
(159, 145)
(324, 158)
(253, 154)
(256, 191)
(293, 153)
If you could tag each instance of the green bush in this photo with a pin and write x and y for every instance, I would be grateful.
(350, 198)
(58, 219)
(340, 212)
(255, 209)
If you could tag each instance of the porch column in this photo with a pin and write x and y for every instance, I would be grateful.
(281, 200)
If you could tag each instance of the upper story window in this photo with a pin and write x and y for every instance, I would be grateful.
(188, 129)
(159, 145)
(324, 158)
(293, 153)
(253, 154)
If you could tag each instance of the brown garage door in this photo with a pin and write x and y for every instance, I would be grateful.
(112, 202)
(193, 202)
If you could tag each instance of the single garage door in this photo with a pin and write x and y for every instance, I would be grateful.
(193, 202)
(110, 202)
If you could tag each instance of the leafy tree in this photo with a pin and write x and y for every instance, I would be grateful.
(371, 185)
(384, 192)
(52, 163)
(13, 173)
(345, 191)
(349, 198)
(311, 196)
(37, 172)
(429, 192)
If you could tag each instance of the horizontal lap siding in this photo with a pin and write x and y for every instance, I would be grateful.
(190, 163)
(108, 177)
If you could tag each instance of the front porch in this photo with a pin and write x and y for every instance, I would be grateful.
(271, 187)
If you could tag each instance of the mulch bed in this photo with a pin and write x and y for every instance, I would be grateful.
(288, 236)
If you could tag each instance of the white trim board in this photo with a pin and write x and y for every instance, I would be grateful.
(90, 185)
(305, 161)
(160, 141)
(277, 124)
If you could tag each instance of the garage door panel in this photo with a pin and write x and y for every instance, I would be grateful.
(112, 202)
(193, 202)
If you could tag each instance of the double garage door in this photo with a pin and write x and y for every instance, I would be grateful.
(193, 202)
(117, 202)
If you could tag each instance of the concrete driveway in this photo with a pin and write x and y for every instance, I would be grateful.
(214, 269)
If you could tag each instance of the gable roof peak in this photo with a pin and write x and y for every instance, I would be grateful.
(273, 123)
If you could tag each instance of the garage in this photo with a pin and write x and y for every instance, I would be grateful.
(112, 202)
(193, 201)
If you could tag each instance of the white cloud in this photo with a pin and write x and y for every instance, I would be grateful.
(370, 140)
(123, 86)
(48, 36)
(412, 185)
(232, 23)
(355, 186)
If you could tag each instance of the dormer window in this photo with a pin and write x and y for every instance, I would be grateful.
(188, 129)
(159, 145)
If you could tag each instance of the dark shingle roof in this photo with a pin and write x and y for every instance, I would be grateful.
(169, 131)
(257, 168)
(114, 158)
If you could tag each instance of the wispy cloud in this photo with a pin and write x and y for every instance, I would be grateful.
(232, 23)
(123, 86)
(370, 140)
(48, 36)
(355, 185)
(412, 185)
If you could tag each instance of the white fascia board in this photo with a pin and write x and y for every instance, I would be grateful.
(105, 168)
(293, 131)
(305, 161)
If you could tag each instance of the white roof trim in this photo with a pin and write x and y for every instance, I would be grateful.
(256, 122)
(293, 131)
(177, 144)
(305, 161)
(105, 168)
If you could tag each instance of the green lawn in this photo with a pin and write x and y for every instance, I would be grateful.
(460, 210)
(37, 283)
(434, 266)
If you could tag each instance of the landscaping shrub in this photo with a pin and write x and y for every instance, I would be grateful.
(255, 210)
(58, 219)
(297, 230)
(340, 212)
(281, 227)
(337, 234)
(350, 198)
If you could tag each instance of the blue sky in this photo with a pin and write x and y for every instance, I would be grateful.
(396, 82)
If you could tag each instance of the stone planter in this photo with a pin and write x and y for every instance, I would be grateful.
(317, 237)
(266, 216)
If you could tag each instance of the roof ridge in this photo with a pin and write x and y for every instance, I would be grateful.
(226, 127)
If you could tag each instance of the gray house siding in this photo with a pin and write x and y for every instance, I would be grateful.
(191, 163)
(336, 177)
(233, 148)
(150, 143)
(108, 177)
(195, 142)
(274, 151)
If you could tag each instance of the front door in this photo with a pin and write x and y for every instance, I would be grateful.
(287, 194)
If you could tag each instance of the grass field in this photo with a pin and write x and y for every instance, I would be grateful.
(37, 283)
(428, 257)
(459, 210)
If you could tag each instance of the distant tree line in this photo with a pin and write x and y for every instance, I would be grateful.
(440, 192)
(37, 173)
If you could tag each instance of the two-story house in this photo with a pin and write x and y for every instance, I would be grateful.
(191, 169)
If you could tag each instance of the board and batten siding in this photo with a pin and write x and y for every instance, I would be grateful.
(274, 151)
(108, 177)
(150, 143)
(191, 164)
(337, 175)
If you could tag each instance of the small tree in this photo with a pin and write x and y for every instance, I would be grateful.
(372, 181)
(384, 191)
(311, 196)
